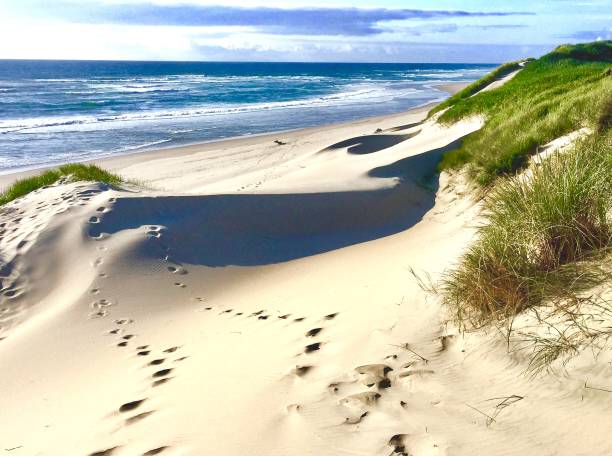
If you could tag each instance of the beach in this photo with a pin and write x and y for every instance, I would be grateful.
(259, 296)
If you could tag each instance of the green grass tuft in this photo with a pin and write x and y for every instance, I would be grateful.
(561, 92)
(542, 237)
(75, 172)
(604, 120)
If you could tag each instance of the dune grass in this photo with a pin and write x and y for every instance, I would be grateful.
(542, 237)
(545, 247)
(476, 86)
(561, 92)
(73, 172)
(594, 51)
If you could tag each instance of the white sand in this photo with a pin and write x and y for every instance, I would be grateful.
(264, 299)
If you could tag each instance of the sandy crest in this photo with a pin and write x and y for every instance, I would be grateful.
(258, 300)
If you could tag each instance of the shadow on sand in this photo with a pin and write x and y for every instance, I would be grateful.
(249, 230)
(370, 143)
(415, 168)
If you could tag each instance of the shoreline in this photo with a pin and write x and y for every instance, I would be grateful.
(114, 162)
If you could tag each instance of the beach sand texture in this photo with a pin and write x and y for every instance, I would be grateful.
(257, 299)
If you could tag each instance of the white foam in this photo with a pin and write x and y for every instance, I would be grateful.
(375, 93)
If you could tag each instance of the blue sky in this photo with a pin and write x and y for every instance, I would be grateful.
(297, 30)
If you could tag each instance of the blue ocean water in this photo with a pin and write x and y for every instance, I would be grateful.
(55, 112)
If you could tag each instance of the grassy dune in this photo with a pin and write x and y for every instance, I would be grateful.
(547, 234)
(540, 236)
(476, 86)
(74, 172)
(559, 93)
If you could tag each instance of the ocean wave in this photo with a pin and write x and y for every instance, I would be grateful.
(135, 88)
(145, 145)
(442, 75)
(177, 132)
(355, 94)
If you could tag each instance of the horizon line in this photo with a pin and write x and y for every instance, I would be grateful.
(244, 61)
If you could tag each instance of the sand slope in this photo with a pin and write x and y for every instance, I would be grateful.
(259, 301)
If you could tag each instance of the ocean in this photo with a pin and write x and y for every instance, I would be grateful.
(54, 112)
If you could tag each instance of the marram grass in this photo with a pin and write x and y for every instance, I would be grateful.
(561, 92)
(75, 172)
(476, 86)
(543, 236)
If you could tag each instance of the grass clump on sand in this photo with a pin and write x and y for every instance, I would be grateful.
(74, 172)
(561, 92)
(543, 236)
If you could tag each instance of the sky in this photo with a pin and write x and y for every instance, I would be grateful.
(478, 31)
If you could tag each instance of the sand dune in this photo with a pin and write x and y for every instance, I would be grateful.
(259, 300)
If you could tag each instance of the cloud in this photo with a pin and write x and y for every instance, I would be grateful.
(497, 26)
(365, 51)
(296, 21)
(425, 29)
(591, 35)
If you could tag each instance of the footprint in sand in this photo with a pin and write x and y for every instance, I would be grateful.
(313, 332)
(364, 398)
(12, 293)
(398, 443)
(154, 451)
(355, 420)
(107, 452)
(160, 382)
(129, 406)
(300, 371)
(177, 270)
(375, 374)
(154, 231)
(162, 373)
(98, 314)
(312, 347)
(139, 417)
(101, 303)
